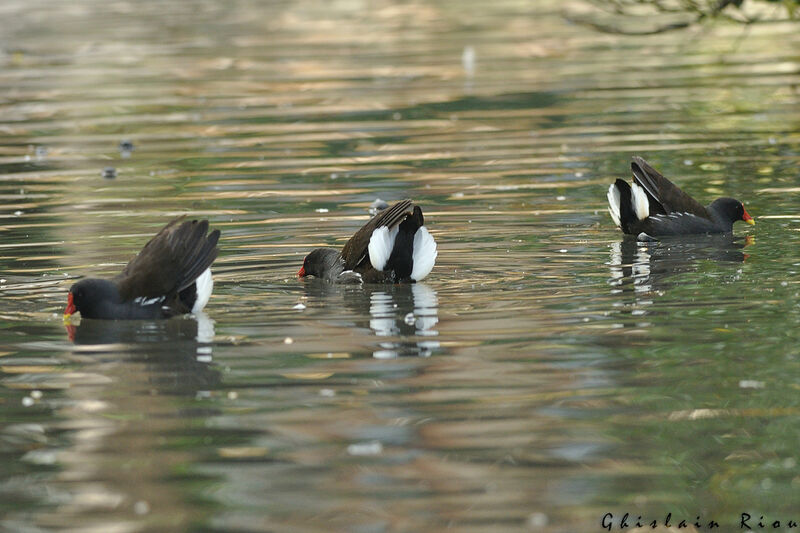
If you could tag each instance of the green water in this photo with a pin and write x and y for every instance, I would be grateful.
(546, 372)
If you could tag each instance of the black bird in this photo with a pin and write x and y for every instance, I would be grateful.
(393, 247)
(170, 276)
(653, 206)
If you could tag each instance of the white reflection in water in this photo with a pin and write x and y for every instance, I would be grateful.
(205, 327)
(630, 260)
(190, 336)
(616, 263)
(405, 313)
(630, 264)
(645, 269)
(641, 270)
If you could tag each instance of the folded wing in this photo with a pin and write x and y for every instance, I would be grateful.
(171, 261)
(665, 197)
(355, 251)
(677, 224)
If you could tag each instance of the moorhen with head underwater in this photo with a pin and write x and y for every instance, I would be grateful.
(393, 247)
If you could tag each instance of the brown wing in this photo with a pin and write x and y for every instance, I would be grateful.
(355, 250)
(171, 261)
(667, 196)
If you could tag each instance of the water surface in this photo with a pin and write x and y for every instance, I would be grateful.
(546, 372)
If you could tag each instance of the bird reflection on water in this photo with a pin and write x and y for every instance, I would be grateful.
(177, 352)
(404, 311)
(198, 327)
(644, 268)
(403, 316)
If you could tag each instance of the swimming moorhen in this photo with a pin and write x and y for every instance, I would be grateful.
(393, 247)
(652, 206)
(170, 276)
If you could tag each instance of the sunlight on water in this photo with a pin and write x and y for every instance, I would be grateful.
(546, 372)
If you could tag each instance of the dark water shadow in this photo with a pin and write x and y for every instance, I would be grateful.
(176, 353)
(402, 316)
(647, 267)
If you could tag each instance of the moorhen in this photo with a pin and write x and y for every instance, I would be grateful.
(393, 247)
(170, 276)
(652, 206)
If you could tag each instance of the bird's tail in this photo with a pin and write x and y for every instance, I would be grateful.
(408, 250)
(627, 204)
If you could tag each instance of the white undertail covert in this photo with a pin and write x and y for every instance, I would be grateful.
(613, 204)
(204, 285)
(424, 254)
(641, 205)
(381, 244)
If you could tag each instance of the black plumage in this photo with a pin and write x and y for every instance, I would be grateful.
(653, 206)
(353, 263)
(158, 283)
